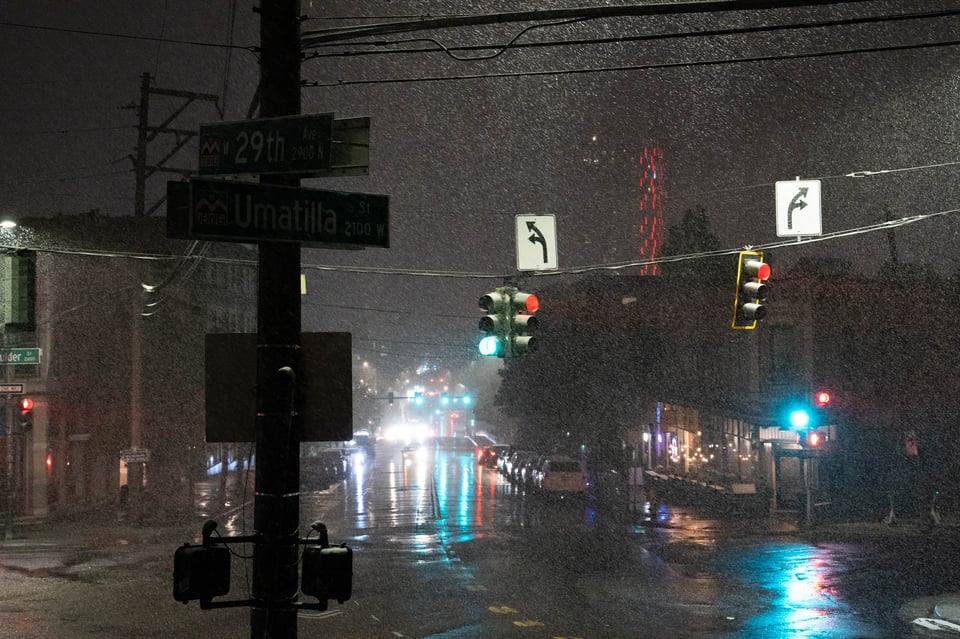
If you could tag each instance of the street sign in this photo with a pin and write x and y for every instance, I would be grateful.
(323, 398)
(536, 242)
(135, 455)
(20, 356)
(350, 149)
(798, 208)
(11, 389)
(230, 211)
(297, 144)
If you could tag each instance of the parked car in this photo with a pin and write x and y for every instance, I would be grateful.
(561, 475)
(490, 455)
(516, 462)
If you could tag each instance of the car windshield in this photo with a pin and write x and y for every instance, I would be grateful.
(450, 319)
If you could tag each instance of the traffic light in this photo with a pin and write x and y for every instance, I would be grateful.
(201, 572)
(26, 413)
(752, 274)
(814, 439)
(799, 418)
(494, 324)
(823, 399)
(327, 573)
(522, 323)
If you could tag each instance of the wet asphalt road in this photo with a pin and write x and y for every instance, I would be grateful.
(448, 548)
(445, 548)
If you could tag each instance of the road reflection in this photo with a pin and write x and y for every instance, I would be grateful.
(804, 590)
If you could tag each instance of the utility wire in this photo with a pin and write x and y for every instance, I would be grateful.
(616, 266)
(707, 33)
(111, 34)
(639, 67)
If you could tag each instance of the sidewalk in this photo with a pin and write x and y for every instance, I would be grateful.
(72, 547)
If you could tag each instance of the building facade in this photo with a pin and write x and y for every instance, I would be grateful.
(120, 318)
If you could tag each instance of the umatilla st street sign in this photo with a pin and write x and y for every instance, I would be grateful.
(222, 210)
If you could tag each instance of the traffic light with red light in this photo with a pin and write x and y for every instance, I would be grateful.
(823, 398)
(752, 275)
(26, 414)
(522, 323)
(814, 439)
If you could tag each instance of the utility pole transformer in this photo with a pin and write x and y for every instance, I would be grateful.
(279, 360)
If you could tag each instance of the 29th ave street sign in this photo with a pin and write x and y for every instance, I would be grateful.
(295, 144)
(210, 209)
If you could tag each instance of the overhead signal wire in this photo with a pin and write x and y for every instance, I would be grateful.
(706, 33)
(639, 67)
(799, 241)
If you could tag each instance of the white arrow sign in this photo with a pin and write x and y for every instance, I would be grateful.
(798, 208)
(536, 243)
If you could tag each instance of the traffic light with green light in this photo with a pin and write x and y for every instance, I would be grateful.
(494, 323)
(752, 275)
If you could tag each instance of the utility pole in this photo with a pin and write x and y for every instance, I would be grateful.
(279, 360)
(147, 133)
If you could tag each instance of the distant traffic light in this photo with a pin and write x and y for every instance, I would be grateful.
(522, 323)
(814, 439)
(799, 418)
(26, 413)
(752, 274)
(823, 398)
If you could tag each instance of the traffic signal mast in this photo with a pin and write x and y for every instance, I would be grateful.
(752, 274)
(508, 323)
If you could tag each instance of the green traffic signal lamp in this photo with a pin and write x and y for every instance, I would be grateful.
(799, 418)
(490, 346)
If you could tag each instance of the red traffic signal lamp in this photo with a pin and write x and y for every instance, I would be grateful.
(814, 439)
(752, 275)
(823, 398)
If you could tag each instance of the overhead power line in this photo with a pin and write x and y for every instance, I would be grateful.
(615, 266)
(313, 38)
(642, 67)
(125, 36)
(379, 45)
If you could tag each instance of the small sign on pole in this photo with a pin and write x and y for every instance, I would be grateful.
(798, 208)
(536, 243)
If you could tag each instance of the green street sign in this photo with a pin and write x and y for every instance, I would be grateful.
(298, 144)
(20, 356)
(230, 211)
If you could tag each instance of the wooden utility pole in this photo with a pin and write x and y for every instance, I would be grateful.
(279, 361)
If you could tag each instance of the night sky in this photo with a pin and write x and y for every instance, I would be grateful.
(460, 158)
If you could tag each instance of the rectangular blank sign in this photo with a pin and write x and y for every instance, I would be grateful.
(324, 394)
